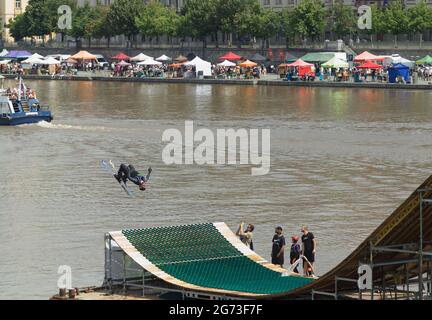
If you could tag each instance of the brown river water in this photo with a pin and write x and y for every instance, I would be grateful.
(341, 161)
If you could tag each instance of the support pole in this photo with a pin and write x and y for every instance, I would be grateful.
(124, 272)
(110, 264)
(371, 265)
(421, 249)
(143, 284)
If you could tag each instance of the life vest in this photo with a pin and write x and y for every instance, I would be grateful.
(295, 248)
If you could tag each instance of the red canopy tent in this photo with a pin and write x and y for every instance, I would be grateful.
(370, 65)
(121, 56)
(367, 56)
(303, 67)
(230, 56)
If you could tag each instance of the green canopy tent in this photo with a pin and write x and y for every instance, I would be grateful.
(425, 60)
(290, 57)
(318, 57)
(335, 63)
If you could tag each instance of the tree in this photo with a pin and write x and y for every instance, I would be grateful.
(227, 12)
(103, 29)
(256, 22)
(268, 22)
(419, 19)
(156, 20)
(309, 18)
(52, 7)
(37, 19)
(286, 25)
(396, 19)
(378, 23)
(18, 27)
(200, 19)
(121, 17)
(84, 23)
(344, 20)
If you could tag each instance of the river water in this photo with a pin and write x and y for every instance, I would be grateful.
(341, 161)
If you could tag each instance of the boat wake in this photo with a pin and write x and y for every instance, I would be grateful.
(59, 126)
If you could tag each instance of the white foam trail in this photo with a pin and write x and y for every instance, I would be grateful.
(50, 125)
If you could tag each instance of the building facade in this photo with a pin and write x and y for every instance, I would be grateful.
(9, 9)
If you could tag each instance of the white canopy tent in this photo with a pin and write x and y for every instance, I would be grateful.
(36, 55)
(4, 53)
(395, 58)
(60, 57)
(149, 62)
(141, 57)
(226, 63)
(50, 61)
(163, 58)
(335, 62)
(33, 60)
(200, 65)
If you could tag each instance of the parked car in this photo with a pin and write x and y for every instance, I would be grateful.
(102, 63)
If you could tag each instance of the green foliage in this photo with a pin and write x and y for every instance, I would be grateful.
(156, 20)
(53, 16)
(344, 20)
(309, 18)
(18, 27)
(102, 27)
(84, 22)
(37, 18)
(287, 23)
(395, 18)
(200, 18)
(121, 17)
(419, 18)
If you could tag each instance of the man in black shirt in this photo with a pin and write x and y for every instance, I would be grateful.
(278, 247)
(308, 250)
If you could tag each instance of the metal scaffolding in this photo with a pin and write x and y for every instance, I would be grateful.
(409, 277)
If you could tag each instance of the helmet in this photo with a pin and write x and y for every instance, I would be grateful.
(295, 238)
(142, 184)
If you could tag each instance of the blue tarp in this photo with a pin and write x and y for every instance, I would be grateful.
(398, 70)
(18, 54)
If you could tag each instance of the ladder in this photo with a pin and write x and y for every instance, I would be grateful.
(25, 105)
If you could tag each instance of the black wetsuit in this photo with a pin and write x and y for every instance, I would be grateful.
(129, 173)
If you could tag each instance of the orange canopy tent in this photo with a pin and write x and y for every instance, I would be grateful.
(370, 65)
(367, 56)
(181, 58)
(230, 56)
(121, 56)
(83, 55)
(247, 63)
(176, 65)
(303, 67)
(71, 61)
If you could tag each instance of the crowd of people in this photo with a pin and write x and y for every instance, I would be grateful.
(419, 72)
(317, 72)
(300, 253)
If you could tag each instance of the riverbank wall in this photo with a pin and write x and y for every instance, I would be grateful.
(280, 83)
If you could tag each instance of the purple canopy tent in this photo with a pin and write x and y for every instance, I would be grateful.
(18, 54)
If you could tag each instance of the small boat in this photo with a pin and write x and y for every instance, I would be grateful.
(20, 106)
